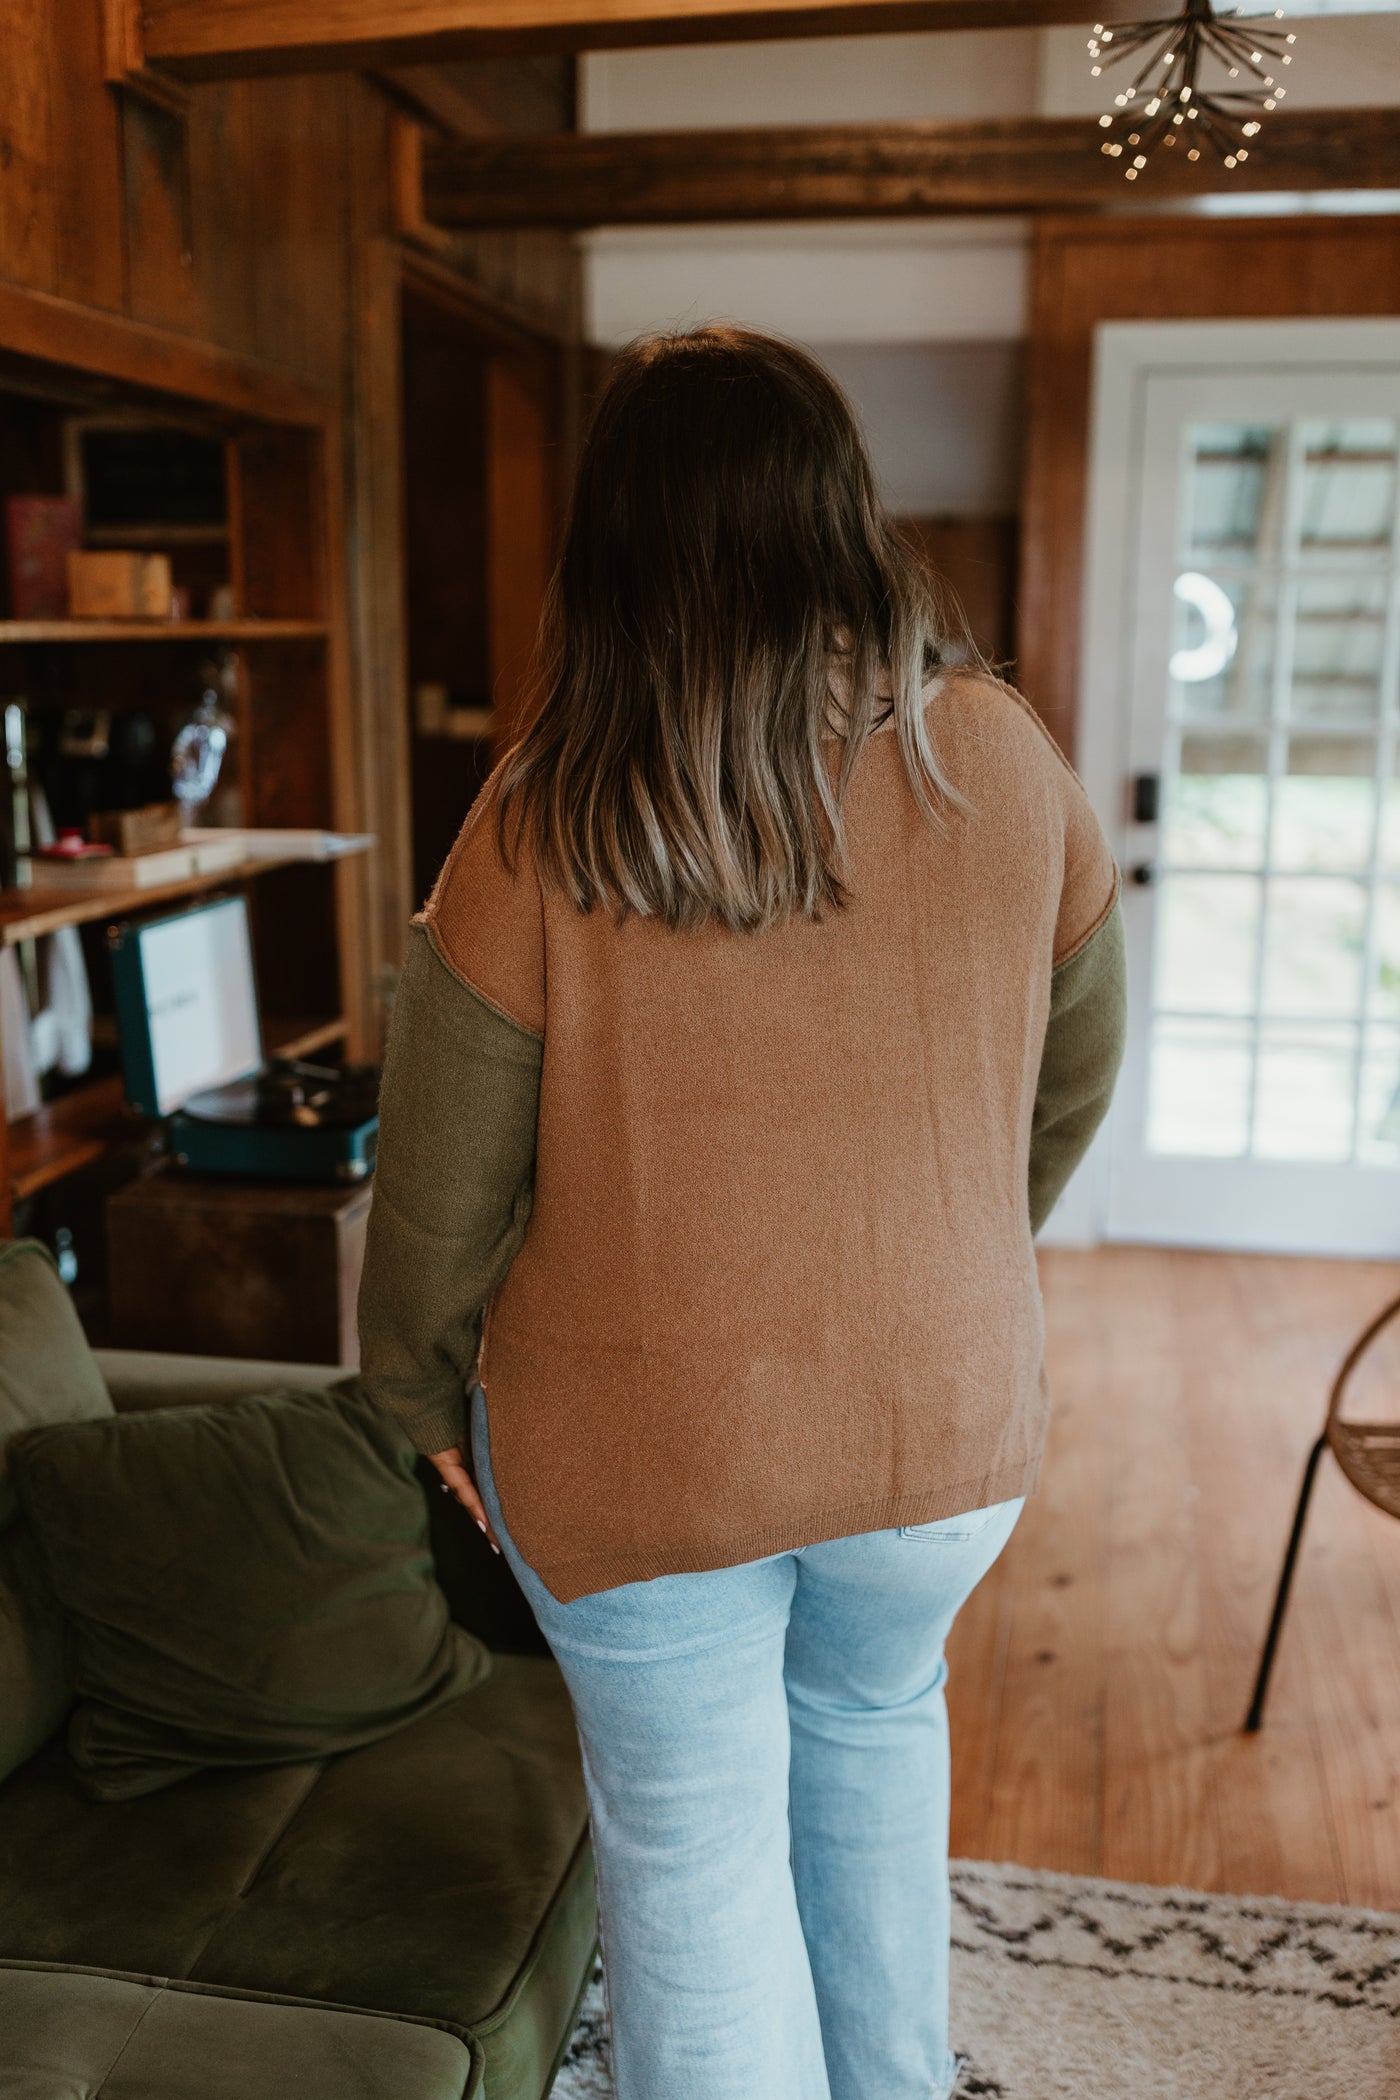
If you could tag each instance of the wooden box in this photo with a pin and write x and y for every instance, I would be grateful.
(217, 1267)
(129, 831)
(120, 585)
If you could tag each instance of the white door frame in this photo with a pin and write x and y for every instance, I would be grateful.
(1126, 355)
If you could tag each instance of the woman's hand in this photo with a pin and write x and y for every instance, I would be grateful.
(458, 1481)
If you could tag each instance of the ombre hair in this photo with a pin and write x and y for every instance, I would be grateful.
(732, 615)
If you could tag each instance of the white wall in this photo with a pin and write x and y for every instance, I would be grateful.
(1339, 59)
(1338, 63)
(890, 281)
(819, 80)
(920, 319)
(932, 280)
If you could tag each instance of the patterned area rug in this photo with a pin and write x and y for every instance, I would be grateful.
(1071, 1989)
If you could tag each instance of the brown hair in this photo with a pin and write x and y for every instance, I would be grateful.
(730, 599)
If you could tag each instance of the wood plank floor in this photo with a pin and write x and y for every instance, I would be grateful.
(1100, 1675)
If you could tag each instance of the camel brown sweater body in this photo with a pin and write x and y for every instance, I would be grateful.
(749, 1217)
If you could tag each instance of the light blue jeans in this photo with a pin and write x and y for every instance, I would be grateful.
(766, 1754)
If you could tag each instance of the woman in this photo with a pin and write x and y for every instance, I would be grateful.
(766, 1001)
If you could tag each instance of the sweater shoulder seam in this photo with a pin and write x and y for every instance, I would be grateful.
(428, 927)
(1091, 932)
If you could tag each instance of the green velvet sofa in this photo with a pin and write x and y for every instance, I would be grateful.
(414, 1920)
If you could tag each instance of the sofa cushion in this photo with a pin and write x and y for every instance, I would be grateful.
(442, 1874)
(69, 2032)
(242, 1583)
(47, 1374)
(47, 1371)
(34, 1689)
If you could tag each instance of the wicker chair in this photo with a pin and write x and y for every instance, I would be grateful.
(1369, 1454)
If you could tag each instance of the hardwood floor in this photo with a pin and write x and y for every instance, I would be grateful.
(1100, 1675)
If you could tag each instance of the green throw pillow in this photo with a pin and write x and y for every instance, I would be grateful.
(247, 1582)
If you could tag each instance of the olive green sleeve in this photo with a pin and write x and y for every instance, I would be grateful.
(1079, 1063)
(453, 1185)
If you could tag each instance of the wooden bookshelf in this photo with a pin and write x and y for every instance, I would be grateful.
(278, 551)
(240, 631)
(24, 914)
(73, 1132)
(64, 1135)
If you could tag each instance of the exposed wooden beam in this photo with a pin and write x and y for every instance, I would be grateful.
(572, 179)
(201, 38)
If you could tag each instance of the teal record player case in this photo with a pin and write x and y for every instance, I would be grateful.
(192, 1056)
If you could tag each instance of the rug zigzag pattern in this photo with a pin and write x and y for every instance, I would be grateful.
(1069, 1988)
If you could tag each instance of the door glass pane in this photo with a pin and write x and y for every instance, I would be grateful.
(1214, 805)
(1234, 478)
(1222, 647)
(1338, 647)
(1347, 511)
(1198, 1088)
(1275, 1019)
(1207, 935)
(1385, 990)
(1378, 1113)
(1388, 844)
(1304, 1089)
(1313, 939)
(1324, 806)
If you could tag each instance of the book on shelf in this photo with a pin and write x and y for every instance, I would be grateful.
(208, 855)
(200, 851)
(291, 844)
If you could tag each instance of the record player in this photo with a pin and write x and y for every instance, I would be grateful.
(192, 1052)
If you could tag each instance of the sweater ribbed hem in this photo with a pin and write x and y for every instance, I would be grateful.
(579, 1576)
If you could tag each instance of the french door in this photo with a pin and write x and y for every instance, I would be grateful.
(1260, 1101)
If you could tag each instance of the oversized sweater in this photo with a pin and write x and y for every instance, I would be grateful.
(736, 1229)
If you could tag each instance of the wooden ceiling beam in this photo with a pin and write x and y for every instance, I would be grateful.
(205, 38)
(577, 179)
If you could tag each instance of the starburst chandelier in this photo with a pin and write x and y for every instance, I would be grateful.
(1166, 104)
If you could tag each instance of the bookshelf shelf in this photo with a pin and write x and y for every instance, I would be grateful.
(69, 631)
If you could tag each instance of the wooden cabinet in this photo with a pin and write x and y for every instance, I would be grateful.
(237, 1268)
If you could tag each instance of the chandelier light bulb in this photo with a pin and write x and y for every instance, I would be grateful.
(1191, 55)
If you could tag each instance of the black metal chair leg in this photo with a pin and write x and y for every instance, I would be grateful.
(1255, 1717)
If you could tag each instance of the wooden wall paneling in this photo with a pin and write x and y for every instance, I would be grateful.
(158, 213)
(85, 155)
(1087, 271)
(27, 230)
(282, 525)
(976, 558)
(222, 148)
(521, 510)
(298, 172)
